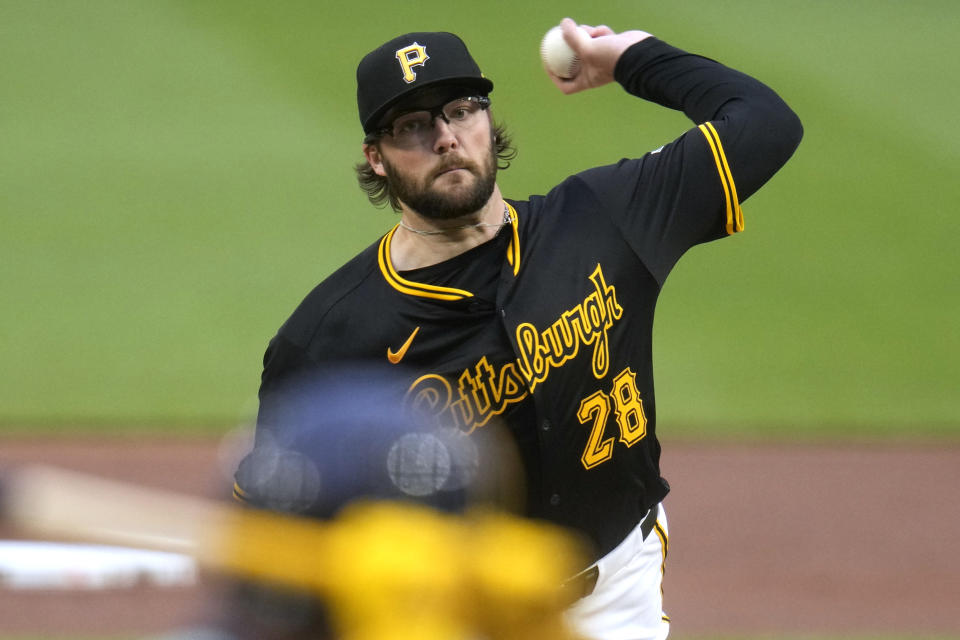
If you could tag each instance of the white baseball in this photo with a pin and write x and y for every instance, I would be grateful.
(557, 56)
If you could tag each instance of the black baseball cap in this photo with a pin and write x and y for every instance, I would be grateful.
(408, 63)
(346, 432)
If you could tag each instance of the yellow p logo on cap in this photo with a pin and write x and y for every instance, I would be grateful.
(411, 56)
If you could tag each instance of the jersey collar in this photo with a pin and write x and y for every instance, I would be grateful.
(409, 287)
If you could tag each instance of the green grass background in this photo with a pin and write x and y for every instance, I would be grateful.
(176, 175)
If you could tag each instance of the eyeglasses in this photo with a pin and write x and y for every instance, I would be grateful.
(415, 127)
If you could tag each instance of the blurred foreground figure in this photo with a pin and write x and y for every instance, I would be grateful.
(393, 570)
(370, 522)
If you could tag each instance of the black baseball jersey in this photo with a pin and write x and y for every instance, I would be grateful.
(548, 326)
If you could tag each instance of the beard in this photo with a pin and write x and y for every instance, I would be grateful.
(445, 203)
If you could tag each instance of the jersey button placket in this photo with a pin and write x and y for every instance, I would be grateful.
(555, 500)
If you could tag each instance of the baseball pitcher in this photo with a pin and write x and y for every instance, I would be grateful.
(538, 312)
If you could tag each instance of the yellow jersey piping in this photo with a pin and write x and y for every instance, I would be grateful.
(422, 290)
(408, 286)
(734, 212)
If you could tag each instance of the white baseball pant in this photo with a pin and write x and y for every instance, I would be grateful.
(627, 601)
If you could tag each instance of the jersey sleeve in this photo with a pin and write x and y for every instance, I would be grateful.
(690, 190)
(283, 363)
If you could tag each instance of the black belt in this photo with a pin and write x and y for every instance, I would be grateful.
(583, 584)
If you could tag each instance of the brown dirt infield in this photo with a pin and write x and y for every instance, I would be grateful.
(765, 539)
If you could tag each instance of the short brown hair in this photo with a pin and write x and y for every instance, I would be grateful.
(378, 188)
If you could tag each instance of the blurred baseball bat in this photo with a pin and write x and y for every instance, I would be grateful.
(57, 504)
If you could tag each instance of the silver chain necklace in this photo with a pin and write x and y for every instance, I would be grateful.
(507, 219)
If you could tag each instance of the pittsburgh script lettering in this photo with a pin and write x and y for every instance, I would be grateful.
(483, 392)
(585, 324)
